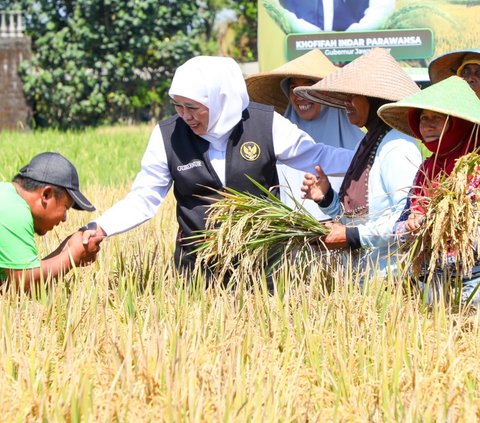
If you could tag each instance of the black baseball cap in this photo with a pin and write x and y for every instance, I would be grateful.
(54, 169)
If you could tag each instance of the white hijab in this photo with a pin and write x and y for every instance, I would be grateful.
(217, 83)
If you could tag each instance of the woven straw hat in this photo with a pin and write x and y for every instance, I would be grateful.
(452, 96)
(374, 74)
(446, 65)
(265, 87)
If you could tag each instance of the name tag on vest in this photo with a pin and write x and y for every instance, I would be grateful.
(191, 165)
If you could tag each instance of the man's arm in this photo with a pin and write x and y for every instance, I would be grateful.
(71, 252)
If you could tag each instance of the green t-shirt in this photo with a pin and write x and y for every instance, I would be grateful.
(17, 242)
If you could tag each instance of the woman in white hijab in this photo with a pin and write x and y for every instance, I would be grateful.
(215, 140)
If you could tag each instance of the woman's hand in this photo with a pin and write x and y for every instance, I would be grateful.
(92, 236)
(315, 187)
(337, 237)
(414, 221)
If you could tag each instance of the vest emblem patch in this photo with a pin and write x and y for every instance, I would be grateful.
(250, 151)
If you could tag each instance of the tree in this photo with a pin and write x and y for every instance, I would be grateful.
(95, 61)
(245, 28)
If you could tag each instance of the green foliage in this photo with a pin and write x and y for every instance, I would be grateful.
(104, 156)
(107, 61)
(245, 28)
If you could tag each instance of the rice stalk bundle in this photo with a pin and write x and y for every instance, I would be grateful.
(242, 229)
(449, 235)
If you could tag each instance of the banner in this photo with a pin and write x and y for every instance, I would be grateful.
(413, 31)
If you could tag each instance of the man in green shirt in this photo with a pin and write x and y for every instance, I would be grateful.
(36, 201)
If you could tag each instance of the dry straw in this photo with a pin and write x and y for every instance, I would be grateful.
(242, 229)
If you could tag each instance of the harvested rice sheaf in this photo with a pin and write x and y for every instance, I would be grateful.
(449, 234)
(242, 228)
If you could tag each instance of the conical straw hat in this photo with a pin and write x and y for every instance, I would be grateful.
(446, 65)
(374, 74)
(452, 96)
(265, 88)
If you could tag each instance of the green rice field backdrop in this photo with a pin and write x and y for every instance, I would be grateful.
(128, 340)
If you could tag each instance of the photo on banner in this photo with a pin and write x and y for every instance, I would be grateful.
(413, 31)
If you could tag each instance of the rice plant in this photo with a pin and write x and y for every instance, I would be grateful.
(450, 229)
(128, 339)
(242, 229)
